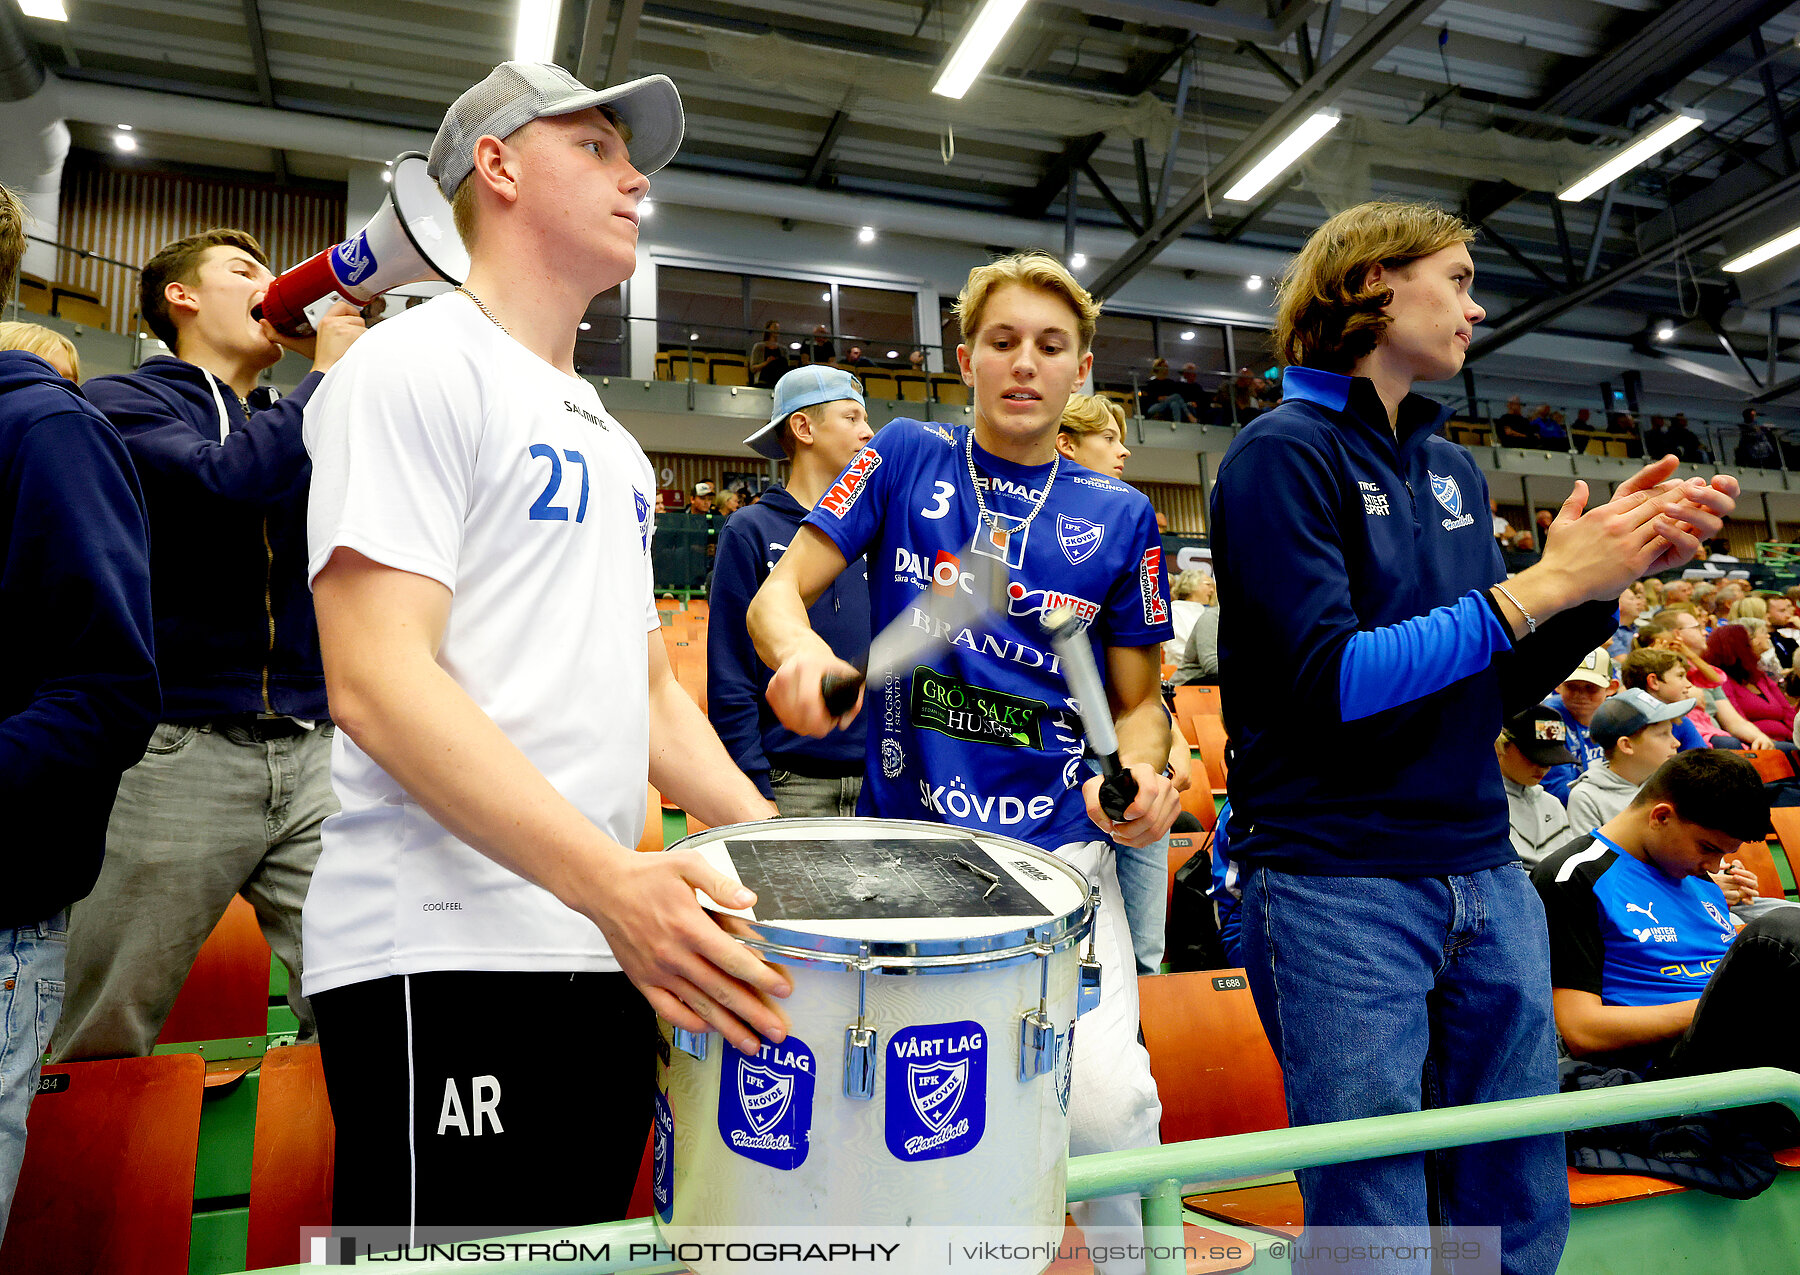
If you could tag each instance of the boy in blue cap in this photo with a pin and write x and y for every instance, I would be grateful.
(818, 424)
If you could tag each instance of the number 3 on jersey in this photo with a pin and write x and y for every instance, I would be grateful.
(543, 509)
(940, 501)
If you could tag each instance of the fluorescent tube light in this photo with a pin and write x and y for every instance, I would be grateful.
(1762, 252)
(51, 10)
(1657, 140)
(1286, 153)
(976, 45)
(536, 32)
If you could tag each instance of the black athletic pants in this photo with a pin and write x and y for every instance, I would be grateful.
(487, 1102)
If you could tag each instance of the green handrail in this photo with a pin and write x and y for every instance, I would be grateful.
(1160, 1173)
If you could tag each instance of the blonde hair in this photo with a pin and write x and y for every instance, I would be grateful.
(1090, 414)
(12, 239)
(1327, 316)
(1032, 270)
(36, 339)
(1751, 608)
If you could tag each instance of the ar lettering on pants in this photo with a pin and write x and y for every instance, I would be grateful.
(484, 1108)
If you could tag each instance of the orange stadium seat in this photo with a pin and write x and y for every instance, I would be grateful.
(292, 1157)
(1757, 856)
(1771, 764)
(107, 1187)
(949, 389)
(652, 840)
(226, 993)
(1209, 738)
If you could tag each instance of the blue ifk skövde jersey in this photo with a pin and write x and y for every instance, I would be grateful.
(978, 732)
(1624, 931)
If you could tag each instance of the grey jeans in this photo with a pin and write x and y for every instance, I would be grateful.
(208, 813)
(804, 797)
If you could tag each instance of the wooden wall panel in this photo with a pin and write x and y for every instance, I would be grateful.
(1180, 503)
(127, 214)
(679, 469)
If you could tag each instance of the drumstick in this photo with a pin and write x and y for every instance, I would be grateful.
(1068, 635)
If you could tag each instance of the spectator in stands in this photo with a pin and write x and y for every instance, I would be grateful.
(1675, 591)
(916, 361)
(78, 688)
(1240, 397)
(1684, 443)
(1782, 631)
(1653, 594)
(1193, 594)
(1528, 746)
(236, 784)
(1161, 398)
(1755, 449)
(1631, 606)
(1760, 641)
(728, 504)
(820, 349)
(856, 358)
(1199, 664)
(1697, 999)
(819, 424)
(1625, 427)
(1718, 552)
(1511, 429)
(1663, 675)
(768, 357)
(1751, 691)
(1677, 629)
(1584, 419)
(701, 502)
(1546, 431)
(1656, 438)
(1384, 642)
(1635, 732)
(1576, 700)
(1542, 523)
(1191, 389)
(51, 346)
(507, 694)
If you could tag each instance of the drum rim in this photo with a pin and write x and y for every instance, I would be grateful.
(970, 954)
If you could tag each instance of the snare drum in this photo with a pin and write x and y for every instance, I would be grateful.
(937, 975)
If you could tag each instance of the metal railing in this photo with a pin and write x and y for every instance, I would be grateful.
(1162, 1174)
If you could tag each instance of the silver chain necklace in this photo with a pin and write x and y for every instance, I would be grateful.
(1002, 535)
(479, 306)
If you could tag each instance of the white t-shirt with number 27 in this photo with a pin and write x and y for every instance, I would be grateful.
(442, 447)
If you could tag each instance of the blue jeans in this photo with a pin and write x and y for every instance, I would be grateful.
(1384, 995)
(1144, 883)
(31, 995)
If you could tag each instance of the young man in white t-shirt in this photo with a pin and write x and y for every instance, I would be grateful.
(479, 551)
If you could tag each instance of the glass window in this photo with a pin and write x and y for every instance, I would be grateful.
(701, 307)
(1123, 347)
(880, 320)
(799, 305)
(1202, 344)
(600, 344)
(1255, 349)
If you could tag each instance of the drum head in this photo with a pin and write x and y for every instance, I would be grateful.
(895, 889)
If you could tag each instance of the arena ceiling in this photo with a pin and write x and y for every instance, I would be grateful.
(1145, 107)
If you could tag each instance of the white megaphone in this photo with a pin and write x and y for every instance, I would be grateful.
(411, 237)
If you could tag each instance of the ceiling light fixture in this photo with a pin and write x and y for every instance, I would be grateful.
(125, 142)
(1664, 135)
(1078, 261)
(793, 345)
(49, 10)
(979, 41)
(586, 326)
(1188, 335)
(1762, 252)
(536, 30)
(1286, 153)
(1254, 283)
(866, 235)
(1665, 331)
(646, 208)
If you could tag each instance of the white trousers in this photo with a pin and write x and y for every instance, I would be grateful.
(1112, 1097)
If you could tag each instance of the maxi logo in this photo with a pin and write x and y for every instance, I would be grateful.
(847, 488)
(1156, 611)
(1023, 601)
(987, 643)
(962, 710)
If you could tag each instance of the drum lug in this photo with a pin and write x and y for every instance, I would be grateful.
(860, 1057)
(1087, 993)
(691, 1043)
(1037, 1046)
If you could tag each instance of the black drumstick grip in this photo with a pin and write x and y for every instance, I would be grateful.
(840, 692)
(1118, 790)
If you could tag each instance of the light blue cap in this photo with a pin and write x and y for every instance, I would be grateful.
(803, 387)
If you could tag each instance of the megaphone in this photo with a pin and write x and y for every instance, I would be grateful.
(412, 237)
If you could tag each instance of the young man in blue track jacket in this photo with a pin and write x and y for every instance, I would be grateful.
(78, 692)
(1396, 951)
(230, 795)
(819, 423)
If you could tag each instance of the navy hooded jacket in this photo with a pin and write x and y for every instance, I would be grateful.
(1365, 668)
(235, 632)
(752, 542)
(78, 695)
